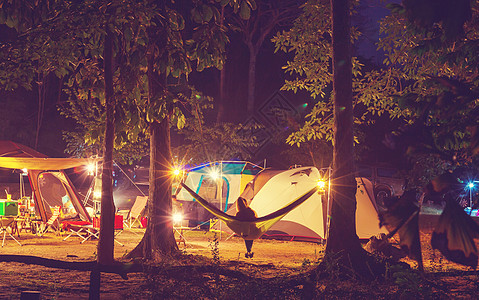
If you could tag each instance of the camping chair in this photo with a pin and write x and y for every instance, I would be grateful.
(135, 213)
(6, 223)
(117, 226)
(42, 227)
(84, 230)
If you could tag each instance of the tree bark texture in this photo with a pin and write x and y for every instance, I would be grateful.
(220, 117)
(95, 284)
(106, 241)
(253, 54)
(159, 240)
(159, 233)
(42, 87)
(342, 231)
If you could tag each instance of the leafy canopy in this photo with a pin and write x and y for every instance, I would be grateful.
(310, 41)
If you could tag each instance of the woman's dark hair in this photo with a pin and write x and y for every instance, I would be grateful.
(241, 203)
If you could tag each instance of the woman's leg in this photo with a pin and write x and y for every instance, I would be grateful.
(249, 245)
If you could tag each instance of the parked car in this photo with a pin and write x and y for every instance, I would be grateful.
(387, 181)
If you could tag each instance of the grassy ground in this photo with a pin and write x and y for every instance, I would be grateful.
(214, 267)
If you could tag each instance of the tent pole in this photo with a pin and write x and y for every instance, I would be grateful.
(21, 185)
(328, 213)
(129, 179)
(221, 191)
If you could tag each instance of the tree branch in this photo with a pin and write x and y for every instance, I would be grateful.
(121, 269)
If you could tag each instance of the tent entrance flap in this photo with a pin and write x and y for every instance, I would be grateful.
(54, 189)
(251, 230)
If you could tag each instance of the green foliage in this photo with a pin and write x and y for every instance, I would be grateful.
(241, 7)
(211, 143)
(35, 49)
(439, 79)
(425, 14)
(66, 37)
(425, 169)
(215, 250)
(310, 41)
(426, 79)
(410, 283)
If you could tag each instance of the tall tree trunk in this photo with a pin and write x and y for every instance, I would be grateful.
(220, 117)
(106, 242)
(106, 239)
(253, 54)
(343, 243)
(159, 240)
(42, 88)
(342, 231)
(159, 231)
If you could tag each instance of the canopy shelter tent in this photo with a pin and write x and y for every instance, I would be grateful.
(51, 187)
(220, 183)
(273, 189)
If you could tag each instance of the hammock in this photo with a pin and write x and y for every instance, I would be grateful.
(250, 230)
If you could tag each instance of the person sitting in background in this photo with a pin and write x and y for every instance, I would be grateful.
(245, 213)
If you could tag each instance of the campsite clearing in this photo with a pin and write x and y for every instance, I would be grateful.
(271, 272)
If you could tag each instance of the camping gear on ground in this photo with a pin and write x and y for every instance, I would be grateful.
(254, 229)
(52, 223)
(83, 229)
(50, 185)
(86, 230)
(8, 208)
(134, 215)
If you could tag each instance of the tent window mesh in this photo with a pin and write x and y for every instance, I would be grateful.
(54, 193)
(209, 189)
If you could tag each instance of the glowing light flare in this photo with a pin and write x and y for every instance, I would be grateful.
(214, 174)
(91, 169)
(176, 172)
(321, 184)
(177, 217)
(470, 185)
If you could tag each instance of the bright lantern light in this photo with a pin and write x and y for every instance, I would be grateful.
(470, 185)
(214, 175)
(97, 194)
(321, 184)
(176, 172)
(91, 169)
(177, 218)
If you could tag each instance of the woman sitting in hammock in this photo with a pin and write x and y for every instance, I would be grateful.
(245, 213)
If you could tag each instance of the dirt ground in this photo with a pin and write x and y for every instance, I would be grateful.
(273, 259)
